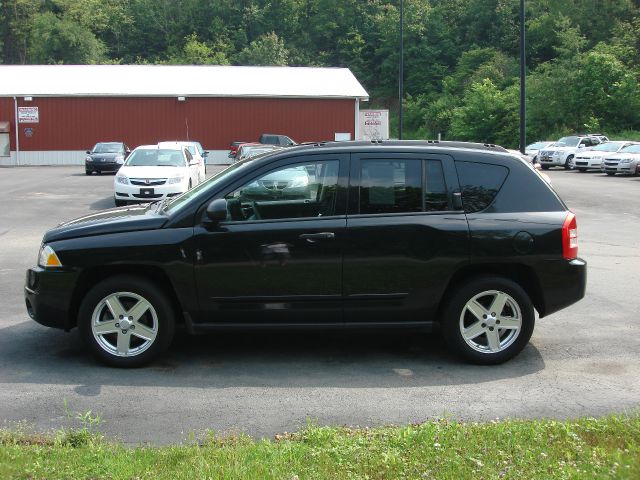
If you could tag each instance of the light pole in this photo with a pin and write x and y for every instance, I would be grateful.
(523, 138)
(401, 70)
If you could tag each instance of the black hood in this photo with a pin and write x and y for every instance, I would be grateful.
(115, 220)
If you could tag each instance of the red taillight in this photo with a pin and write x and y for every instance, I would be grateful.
(570, 237)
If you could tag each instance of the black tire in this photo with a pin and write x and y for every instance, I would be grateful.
(120, 203)
(611, 174)
(545, 167)
(582, 170)
(87, 172)
(164, 313)
(453, 320)
(568, 164)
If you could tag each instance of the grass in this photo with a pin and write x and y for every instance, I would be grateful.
(581, 449)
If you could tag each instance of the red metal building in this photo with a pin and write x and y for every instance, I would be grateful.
(62, 111)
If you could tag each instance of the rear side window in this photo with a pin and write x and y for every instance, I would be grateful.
(390, 186)
(479, 183)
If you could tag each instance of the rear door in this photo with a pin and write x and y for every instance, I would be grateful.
(404, 240)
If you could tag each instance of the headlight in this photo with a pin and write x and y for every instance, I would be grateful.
(122, 179)
(175, 180)
(119, 158)
(299, 182)
(48, 258)
(87, 159)
(625, 160)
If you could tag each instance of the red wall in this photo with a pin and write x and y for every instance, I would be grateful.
(78, 123)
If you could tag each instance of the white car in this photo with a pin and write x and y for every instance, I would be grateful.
(153, 173)
(563, 152)
(625, 161)
(533, 149)
(196, 151)
(593, 158)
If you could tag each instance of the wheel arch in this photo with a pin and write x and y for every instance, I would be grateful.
(521, 274)
(91, 277)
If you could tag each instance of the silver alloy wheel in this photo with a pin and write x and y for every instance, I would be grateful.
(570, 163)
(491, 321)
(124, 324)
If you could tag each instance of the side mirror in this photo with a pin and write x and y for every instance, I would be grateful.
(88, 152)
(581, 145)
(217, 210)
(206, 154)
(193, 163)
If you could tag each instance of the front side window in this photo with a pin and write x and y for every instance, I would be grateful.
(294, 191)
(390, 186)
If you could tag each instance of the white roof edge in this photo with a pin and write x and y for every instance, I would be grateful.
(178, 80)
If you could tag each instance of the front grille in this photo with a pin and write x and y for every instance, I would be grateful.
(611, 163)
(148, 181)
(155, 195)
(582, 163)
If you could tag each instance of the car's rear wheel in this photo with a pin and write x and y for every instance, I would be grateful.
(611, 174)
(582, 170)
(545, 167)
(488, 320)
(569, 164)
(126, 321)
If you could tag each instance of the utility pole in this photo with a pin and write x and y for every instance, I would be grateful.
(401, 72)
(523, 139)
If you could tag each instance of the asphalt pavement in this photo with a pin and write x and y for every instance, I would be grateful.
(582, 361)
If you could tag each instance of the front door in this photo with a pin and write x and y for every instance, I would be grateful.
(278, 257)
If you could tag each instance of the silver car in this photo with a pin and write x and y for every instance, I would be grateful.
(625, 161)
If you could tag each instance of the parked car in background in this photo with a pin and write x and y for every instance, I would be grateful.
(105, 157)
(389, 234)
(233, 147)
(249, 150)
(153, 173)
(533, 149)
(592, 159)
(273, 139)
(562, 152)
(196, 151)
(627, 161)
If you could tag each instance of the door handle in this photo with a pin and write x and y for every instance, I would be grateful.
(314, 237)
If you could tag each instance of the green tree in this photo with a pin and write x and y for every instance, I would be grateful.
(266, 50)
(59, 40)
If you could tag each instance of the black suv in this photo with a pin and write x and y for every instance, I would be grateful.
(465, 237)
(105, 157)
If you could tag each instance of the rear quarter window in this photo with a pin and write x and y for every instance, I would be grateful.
(479, 184)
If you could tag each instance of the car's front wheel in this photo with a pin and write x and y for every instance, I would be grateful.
(126, 321)
(545, 167)
(488, 320)
(119, 203)
(569, 164)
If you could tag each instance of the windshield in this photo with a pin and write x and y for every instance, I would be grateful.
(608, 147)
(631, 149)
(568, 142)
(156, 158)
(108, 148)
(201, 190)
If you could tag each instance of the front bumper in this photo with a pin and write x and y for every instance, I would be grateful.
(135, 193)
(551, 160)
(588, 163)
(48, 295)
(97, 166)
(563, 283)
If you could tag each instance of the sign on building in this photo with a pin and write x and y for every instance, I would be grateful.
(28, 115)
(374, 125)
